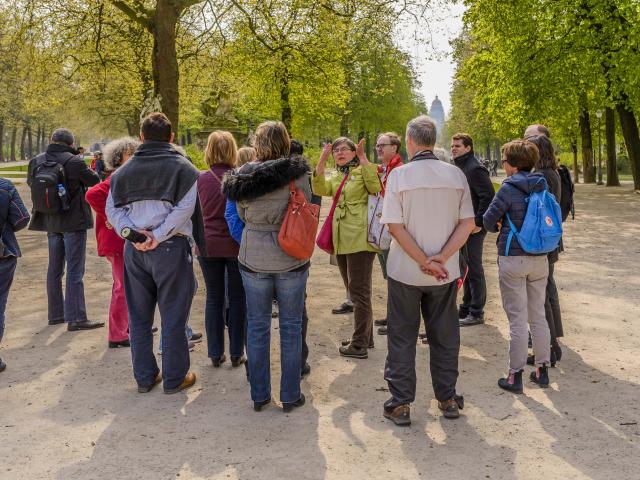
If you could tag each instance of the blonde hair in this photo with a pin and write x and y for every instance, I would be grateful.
(221, 149)
(271, 141)
(246, 155)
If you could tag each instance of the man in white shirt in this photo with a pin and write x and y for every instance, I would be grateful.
(430, 216)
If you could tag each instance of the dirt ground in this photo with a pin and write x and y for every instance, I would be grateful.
(69, 407)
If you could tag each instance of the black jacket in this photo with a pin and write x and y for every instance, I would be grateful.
(78, 178)
(479, 183)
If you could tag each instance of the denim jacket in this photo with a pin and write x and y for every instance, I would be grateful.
(13, 217)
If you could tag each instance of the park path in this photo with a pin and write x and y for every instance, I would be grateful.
(69, 409)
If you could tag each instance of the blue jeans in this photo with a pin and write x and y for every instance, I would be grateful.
(7, 269)
(69, 248)
(188, 332)
(260, 289)
(221, 272)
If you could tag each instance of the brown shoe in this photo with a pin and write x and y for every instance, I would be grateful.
(188, 381)
(400, 415)
(450, 408)
(148, 388)
(353, 352)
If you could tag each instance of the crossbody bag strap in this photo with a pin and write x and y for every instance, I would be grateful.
(215, 176)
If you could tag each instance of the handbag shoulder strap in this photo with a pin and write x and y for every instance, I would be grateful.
(215, 176)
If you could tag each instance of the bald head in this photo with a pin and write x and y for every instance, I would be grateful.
(535, 130)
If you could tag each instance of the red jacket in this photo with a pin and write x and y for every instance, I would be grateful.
(213, 203)
(393, 163)
(109, 243)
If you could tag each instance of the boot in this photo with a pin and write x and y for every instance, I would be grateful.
(513, 383)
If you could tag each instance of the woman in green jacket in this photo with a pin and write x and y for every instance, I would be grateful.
(350, 224)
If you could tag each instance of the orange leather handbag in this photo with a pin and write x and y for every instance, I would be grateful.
(298, 232)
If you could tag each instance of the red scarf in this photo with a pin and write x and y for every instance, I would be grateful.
(396, 161)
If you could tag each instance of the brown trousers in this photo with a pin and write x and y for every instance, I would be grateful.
(356, 269)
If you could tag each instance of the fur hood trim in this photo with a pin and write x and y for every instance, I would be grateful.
(254, 180)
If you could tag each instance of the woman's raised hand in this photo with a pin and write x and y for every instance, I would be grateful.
(326, 151)
(362, 157)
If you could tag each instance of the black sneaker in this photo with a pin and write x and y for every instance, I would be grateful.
(344, 308)
(380, 323)
(470, 320)
(217, 361)
(287, 407)
(306, 370)
(257, 406)
(344, 343)
(540, 377)
(86, 325)
(400, 415)
(121, 343)
(352, 351)
(512, 383)
(463, 312)
(3, 366)
(382, 330)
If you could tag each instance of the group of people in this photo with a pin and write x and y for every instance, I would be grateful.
(155, 212)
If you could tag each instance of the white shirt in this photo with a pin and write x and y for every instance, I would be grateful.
(429, 198)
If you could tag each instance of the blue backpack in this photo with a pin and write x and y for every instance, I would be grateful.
(542, 226)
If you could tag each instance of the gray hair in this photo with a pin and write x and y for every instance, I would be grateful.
(422, 130)
(114, 151)
(441, 153)
(62, 135)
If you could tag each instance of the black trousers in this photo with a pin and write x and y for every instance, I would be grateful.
(475, 287)
(162, 276)
(438, 307)
(552, 308)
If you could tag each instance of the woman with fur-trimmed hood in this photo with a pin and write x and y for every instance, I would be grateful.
(261, 191)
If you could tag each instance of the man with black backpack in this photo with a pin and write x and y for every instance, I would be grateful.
(58, 179)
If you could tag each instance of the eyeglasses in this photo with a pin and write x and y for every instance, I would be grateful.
(342, 149)
(380, 146)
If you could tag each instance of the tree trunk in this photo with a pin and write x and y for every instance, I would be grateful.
(14, 136)
(587, 147)
(23, 138)
(29, 142)
(610, 138)
(1, 140)
(631, 140)
(285, 106)
(166, 74)
(344, 124)
(496, 152)
(576, 169)
(189, 141)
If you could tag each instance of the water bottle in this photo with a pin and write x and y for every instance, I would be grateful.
(64, 199)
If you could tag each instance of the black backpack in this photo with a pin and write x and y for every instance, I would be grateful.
(566, 194)
(48, 186)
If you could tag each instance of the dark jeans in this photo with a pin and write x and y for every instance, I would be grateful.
(552, 308)
(7, 269)
(355, 269)
(438, 306)
(383, 256)
(305, 323)
(69, 248)
(213, 270)
(475, 287)
(163, 276)
(288, 288)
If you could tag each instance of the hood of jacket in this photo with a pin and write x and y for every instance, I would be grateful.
(526, 182)
(254, 180)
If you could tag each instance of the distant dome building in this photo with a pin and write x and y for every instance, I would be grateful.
(436, 112)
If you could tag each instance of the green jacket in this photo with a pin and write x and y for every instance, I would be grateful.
(350, 222)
